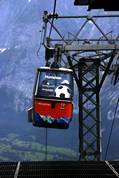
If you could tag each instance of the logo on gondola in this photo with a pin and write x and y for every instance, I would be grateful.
(44, 104)
(53, 77)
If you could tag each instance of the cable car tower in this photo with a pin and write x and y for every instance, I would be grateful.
(91, 60)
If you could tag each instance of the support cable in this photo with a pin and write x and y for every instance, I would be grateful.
(108, 144)
(46, 143)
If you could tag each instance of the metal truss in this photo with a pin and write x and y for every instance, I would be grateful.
(86, 57)
(83, 44)
(89, 110)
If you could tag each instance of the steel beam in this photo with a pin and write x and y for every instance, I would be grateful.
(89, 110)
(56, 16)
(91, 47)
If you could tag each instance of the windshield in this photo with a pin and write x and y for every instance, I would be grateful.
(55, 84)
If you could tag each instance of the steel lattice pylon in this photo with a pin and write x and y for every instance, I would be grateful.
(89, 115)
(85, 56)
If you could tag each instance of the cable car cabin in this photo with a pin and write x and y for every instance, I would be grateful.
(52, 98)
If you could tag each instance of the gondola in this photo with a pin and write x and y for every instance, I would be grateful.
(52, 98)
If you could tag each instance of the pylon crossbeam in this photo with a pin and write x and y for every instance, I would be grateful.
(90, 145)
(89, 82)
(89, 114)
(89, 98)
(89, 129)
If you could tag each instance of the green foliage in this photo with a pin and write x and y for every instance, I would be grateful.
(12, 148)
